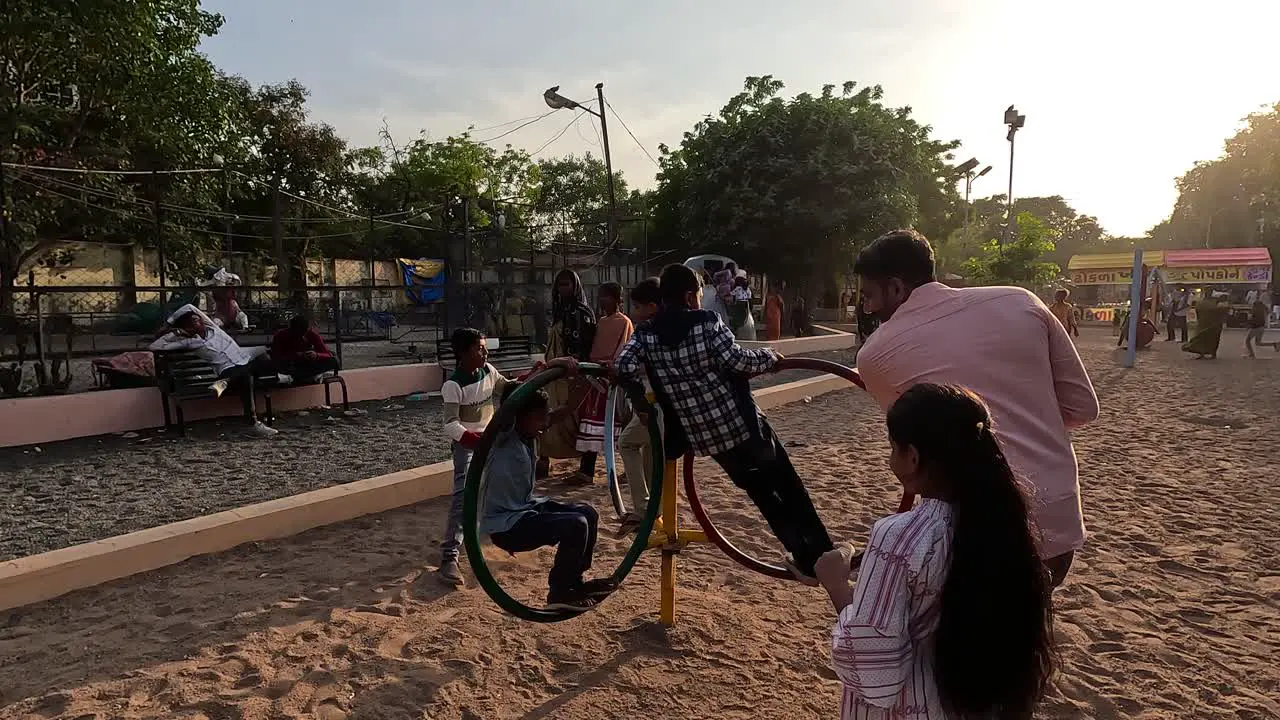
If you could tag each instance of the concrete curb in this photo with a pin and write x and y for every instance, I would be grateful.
(36, 578)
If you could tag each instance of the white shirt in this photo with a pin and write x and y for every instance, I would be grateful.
(882, 645)
(741, 294)
(216, 347)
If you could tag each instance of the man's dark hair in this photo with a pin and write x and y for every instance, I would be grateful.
(463, 339)
(647, 291)
(300, 323)
(902, 254)
(613, 290)
(676, 282)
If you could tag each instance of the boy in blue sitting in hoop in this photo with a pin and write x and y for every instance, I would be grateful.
(516, 520)
(699, 375)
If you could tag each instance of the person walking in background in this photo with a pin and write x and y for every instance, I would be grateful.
(1257, 326)
(1065, 312)
(774, 307)
(1180, 305)
(800, 318)
(1211, 318)
(613, 330)
(1003, 344)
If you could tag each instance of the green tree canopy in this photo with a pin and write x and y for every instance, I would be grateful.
(1233, 201)
(798, 185)
(1017, 262)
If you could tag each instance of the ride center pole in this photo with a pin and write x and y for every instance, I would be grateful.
(670, 529)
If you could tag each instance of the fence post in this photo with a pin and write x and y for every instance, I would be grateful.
(277, 237)
(159, 231)
(337, 323)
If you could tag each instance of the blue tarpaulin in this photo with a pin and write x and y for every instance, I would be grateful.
(423, 280)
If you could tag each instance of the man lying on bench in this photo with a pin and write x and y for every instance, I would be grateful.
(188, 328)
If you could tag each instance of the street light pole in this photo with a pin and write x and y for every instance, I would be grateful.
(1015, 122)
(612, 227)
(556, 101)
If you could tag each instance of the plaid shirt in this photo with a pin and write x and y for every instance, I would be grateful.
(695, 375)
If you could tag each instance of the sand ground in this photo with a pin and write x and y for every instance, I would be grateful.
(1172, 610)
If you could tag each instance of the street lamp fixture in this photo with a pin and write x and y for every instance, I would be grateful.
(966, 169)
(556, 101)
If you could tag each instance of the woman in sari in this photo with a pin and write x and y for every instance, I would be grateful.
(774, 307)
(1211, 316)
(573, 330)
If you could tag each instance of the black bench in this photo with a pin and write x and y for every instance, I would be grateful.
(184, 376)
(510, 355)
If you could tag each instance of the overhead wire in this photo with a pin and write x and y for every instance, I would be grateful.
(633, 135)
(104, 193)
(558, 135)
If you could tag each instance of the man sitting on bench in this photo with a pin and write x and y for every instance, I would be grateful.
(300, 351)
(188, 328)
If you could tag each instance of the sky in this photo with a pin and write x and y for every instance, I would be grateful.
(1121, 96)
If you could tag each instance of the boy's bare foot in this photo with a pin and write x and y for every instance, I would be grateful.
(798, 574)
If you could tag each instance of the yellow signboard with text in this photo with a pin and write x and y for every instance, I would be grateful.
(1102, 277)
(1214, 275)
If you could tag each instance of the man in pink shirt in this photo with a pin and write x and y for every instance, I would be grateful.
(1003, 344)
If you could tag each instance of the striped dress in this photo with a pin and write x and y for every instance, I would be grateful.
(882, 645)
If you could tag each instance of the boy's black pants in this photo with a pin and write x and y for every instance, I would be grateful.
(570, 527)
(761, 467)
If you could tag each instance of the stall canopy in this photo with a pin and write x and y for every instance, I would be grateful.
(1212, 266)
(1217, 257)
(1114, 261)
(1108, 268)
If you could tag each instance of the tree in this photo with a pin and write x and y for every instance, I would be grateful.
(1021, 261)
(797, 185)
(1234, 200)
(94, 84)
(1076, 233)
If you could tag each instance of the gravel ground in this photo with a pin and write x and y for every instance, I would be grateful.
(87, 489)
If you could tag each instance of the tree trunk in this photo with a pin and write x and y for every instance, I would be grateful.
(8, 281)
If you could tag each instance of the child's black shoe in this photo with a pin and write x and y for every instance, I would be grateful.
(599, 588)
(574, 599)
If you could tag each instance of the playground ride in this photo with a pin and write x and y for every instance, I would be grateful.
(655, 533)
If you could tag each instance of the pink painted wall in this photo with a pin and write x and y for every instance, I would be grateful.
(32, 421)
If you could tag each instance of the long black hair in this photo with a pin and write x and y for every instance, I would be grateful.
(994, 652)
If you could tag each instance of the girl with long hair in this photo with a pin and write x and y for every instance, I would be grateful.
(951, 614)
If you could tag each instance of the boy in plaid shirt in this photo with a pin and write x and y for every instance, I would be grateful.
(699, 375)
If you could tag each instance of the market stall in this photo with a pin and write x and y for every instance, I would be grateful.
(1242, 273)
(1100, 282)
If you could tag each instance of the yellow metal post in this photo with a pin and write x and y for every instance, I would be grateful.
(670, 528)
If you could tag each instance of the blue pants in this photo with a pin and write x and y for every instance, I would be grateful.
(570, 527)
(452, 543)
